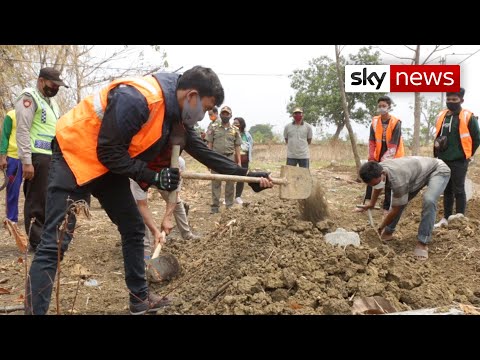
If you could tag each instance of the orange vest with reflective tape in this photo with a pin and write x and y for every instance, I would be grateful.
(77, 131)
(464, 118)
(378, 128)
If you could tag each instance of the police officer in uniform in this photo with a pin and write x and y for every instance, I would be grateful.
(225, 139)
(37, 114)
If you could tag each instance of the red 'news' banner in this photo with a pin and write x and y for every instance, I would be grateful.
(424, 78)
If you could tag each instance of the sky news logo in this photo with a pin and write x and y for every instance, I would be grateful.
(402, 78)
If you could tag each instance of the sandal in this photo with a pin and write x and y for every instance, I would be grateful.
(420, 254)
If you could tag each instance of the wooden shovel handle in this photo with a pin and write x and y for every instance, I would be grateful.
(236, 178)
(172, 195)
(157, 250)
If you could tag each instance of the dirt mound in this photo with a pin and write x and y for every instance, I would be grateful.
(261, 259)
(315, 207)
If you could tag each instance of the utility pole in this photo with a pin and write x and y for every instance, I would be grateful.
(443, 61)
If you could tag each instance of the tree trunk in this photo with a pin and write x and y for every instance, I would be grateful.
(416, 112)
(338, 131)
(341, 87)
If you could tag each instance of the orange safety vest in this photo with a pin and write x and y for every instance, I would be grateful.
(377, 126)
(77, 131)
(464, 118)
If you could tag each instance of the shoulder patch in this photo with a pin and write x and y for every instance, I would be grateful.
(27, 103)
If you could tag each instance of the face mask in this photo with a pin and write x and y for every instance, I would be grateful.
(382, 110)
(298, 117)
(454, 106)
(379, 186)
(49, 92)
(191, 116)
(225, 119)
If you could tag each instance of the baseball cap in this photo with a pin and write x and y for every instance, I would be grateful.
(227, 109)
(53, 75)
(297, 109)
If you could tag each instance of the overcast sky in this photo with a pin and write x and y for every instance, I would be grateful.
(257, 87)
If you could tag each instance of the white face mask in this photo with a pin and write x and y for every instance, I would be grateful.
(379, 186)
(383, 110)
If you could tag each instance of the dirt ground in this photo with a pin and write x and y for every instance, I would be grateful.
(260, 258)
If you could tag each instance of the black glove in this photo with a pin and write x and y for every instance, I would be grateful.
(167, 179)
(256, 186)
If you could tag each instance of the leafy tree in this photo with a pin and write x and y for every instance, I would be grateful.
(262, 133)
(430, 111)
(407, 135)
(318, 93)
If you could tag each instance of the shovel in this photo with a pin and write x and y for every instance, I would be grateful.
(295, 182)
(162, 267)
(5, 180)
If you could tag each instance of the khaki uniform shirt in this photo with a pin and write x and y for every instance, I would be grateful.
(224, 139)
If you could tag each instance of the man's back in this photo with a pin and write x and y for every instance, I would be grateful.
(409, 174)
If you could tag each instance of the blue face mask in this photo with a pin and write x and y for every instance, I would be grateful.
(191, 116)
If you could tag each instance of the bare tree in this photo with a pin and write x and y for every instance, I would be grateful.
(416, 60)
(341, 86)
(83, 67)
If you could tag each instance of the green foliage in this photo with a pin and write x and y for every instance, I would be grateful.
(262, 133)
(430, 111)
(407, 135)
(318, 93)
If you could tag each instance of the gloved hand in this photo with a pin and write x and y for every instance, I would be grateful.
(167, 179)
(256, 186)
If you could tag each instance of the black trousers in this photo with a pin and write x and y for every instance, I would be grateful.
(35, 191)
(240, 185)
(113, 193)
(455, 190)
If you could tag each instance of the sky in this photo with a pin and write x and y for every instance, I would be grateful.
(257, 86)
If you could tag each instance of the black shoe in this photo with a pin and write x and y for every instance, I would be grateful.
(154, 303)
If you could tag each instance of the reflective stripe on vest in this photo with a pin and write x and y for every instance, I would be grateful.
(378, 129)
(44, 121)
(464, 118)
(77, 131)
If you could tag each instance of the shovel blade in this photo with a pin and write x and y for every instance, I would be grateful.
(163, 268)
(299, 183)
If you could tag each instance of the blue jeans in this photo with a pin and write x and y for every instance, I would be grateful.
(436, 186)
(305, 163)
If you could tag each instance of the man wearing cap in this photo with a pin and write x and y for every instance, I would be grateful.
(214, 119)
(37, 114)
(225, 139)
(457, 138)
(298, 135)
